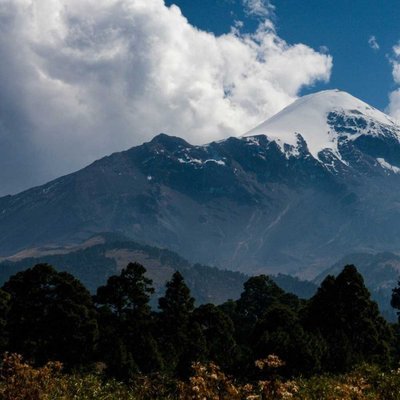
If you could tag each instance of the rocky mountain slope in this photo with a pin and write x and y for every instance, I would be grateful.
(319, 180)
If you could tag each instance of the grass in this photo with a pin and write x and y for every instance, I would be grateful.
(21, 381)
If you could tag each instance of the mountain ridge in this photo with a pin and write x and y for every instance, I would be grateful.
(242, 203)
(106, 254)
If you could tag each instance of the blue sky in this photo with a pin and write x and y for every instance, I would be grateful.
(343, 26)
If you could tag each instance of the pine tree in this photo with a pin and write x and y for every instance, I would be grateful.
(344, 314)
(260, 293)
(176, 308)
(218, 332)
(4, 309)
(51, 317)
(395, 300)
(280, 332)
(127, 342)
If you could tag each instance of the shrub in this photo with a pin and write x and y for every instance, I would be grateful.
(20, 381)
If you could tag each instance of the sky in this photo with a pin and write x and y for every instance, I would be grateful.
(358, 34)
(80, 79)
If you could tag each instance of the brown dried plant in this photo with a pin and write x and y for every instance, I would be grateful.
(21, 381)
(210, 383)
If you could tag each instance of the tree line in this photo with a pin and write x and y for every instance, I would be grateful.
(49, 315)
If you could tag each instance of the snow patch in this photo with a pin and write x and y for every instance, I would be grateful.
(200, 162)
(386, 165)
(190, 161)
(219, 162)
(308, 117)
(253, 140)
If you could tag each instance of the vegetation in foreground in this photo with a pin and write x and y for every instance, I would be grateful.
(114, 346)
(21, 381)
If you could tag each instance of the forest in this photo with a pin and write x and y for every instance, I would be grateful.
(61, 342)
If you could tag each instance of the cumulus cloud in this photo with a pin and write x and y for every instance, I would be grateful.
(394, 96)
(373, 43)
(396, 64)
(80, 79)
(394, 104)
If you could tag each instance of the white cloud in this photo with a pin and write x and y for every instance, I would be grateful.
(373, 43)
(396, 50)
(394, 104)
(394, 96)
(396, 64)
(259, 8)
(324, 49)
(83, 78)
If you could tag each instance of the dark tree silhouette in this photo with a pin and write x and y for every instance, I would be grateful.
(127, 344)
(4, 308)
(51, 316)
(218, 332)
(343, 312)
(179, 337)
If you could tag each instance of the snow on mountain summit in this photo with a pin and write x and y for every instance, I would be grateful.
(322, 119)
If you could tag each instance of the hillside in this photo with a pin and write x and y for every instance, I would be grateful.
(93, 261)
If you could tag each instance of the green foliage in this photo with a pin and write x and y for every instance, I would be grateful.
(178, 334)
(395, 301)
(47, 315)
(127, 294)
(51, 317)
(177, 302)
(4, 309)
(260, 292)
(218, 332)
(344, 314)
(280, 332)
(126, 341)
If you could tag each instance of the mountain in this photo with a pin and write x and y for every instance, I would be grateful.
(326, 121)
(317, 181)
(103, 255)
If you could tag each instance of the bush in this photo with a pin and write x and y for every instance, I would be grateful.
(21, 381)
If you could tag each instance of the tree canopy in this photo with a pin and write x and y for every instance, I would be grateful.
(50, 316)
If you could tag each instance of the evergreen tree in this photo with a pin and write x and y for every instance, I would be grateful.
(51, 316)
(4, 308)
(280, 332)
(260, 292)
(176, 307)
(127, 342)
(344, 314)
(128, 293)
(218, 332)
(395, 300)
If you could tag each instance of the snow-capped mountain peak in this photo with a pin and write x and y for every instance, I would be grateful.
(323, 119)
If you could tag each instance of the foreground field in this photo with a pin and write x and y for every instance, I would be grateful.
(20, 381)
